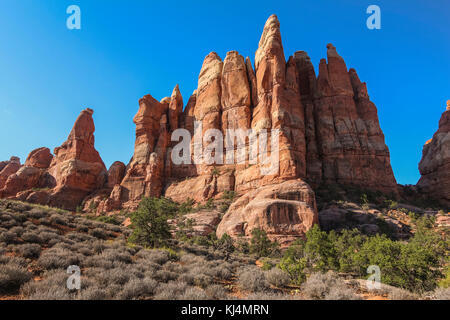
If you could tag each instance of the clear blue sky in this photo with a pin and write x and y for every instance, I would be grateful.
(127, 49)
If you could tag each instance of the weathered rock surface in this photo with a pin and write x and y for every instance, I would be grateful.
(202, 223)
(39, 158)
(435, 164)
(116, 173)
(285, 211)
(8, 168)
(64, 180)
(350, 143)
(31, 175)
(329, 133)
(144, 173)
(77, 167)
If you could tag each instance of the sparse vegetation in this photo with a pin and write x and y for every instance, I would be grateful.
(414, 266)
(38, 243)
(149, 222)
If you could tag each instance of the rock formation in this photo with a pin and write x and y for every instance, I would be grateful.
(327, 128)
(31, 175)
(66, 179)
(435, 164)
(77, 167)
(8, 168)
(285, 211)
(344, 136)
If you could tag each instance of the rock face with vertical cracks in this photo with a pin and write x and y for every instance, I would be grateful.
(328, 129)
(65, 179)
(435, 164)
(77, 167)
(285, 211)
(31, 175)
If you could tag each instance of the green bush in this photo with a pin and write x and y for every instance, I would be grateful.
(414, 265)
(260, 244)
(225, 243)
(108, 219)
(294, 263)
(149, 222)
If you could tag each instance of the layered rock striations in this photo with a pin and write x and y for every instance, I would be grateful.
(346, 141)
(327, 129)
(435, 164)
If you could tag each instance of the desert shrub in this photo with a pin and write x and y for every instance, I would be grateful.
(56, 258)
(51, 293)
(51, 279)
(156, 256)
(319, 250)
(172, 254)
(79, 237)
(329, 286)
(221, 272)
(193, 293)
(29, 250)
(54, 241)
(170, 291)
(94, 294)
(98, 246)
(37, 213)
(8, 223)
(252, 279)
(138, 288)
(165, 276)
(17, 230)
(294, 263)
(19, 261)
(202, 280)
(401, 294)
(117, 276)
(174, 267)
(260, 244)
(115, 255)
(86, 251)
(191, 259)
(278, 278)
(264, 296)
(267, 264)
(445, 282)
(216, 291)
(59, 219)
(9, 237)
(98, 233)
(12, 277)
(225, 243)
(414, 266)
(346, 244)
(188, 278)
(149, 222)
(31, 237)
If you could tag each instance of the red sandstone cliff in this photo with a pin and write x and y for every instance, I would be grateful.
(329, 133)
(435, 164)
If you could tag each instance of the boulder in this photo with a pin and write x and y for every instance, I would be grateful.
(116, 173)
(39, 158)
(9, 167)
(285, 211)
